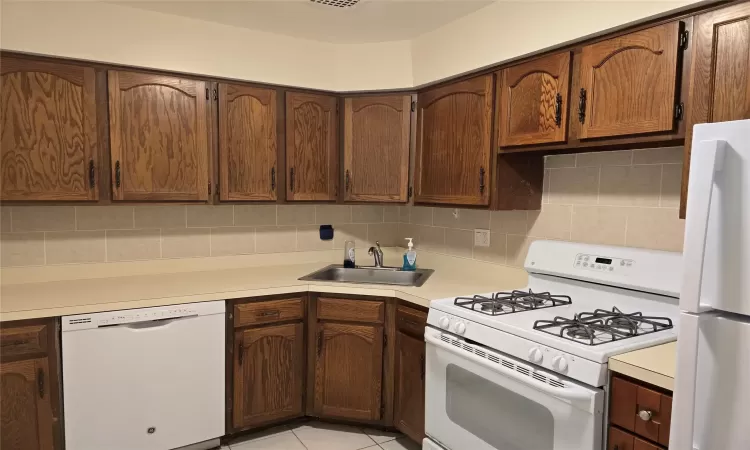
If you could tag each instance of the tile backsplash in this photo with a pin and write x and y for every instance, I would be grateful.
(628, 197)
(46, 235)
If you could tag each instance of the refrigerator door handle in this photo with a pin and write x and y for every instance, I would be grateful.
(681, 435)
(707, 159)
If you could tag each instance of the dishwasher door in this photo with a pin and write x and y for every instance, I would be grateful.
(145, 379)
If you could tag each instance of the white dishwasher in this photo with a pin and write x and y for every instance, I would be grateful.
(144, 379)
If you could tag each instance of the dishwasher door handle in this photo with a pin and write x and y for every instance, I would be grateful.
(150, 324)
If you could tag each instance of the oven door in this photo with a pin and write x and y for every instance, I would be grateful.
(480, 399)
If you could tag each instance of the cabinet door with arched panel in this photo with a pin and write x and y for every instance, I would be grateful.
(534, 101)
(248, 142)
(49, 144)
(454, 134)
(158, 137)
(376, 148)
(628, 84)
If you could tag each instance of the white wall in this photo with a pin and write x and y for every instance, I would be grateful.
(506, 30)
(120, 34)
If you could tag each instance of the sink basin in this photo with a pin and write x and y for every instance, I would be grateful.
(369, 275)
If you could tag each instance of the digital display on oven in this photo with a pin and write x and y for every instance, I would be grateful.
(603, 261)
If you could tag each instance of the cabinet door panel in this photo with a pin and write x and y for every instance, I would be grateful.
(720, 74)
(630, 83)
(453, 141)
(534, 101)
(48, 126)
(348, 371)
(311, 147)
(268, 374)
(376, 148)
(25, 406)
(247, 142)
(620, 440)
(410, 374)
(158, 137)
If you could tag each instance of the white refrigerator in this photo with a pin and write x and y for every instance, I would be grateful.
(712, 386)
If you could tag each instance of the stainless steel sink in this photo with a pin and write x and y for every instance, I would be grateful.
(370, 275)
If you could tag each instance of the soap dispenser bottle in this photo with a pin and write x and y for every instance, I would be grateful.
(410, 257)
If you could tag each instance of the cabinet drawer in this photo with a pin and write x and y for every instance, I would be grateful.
(411, 321)
(23, 340)
(641, 410)
(622, 440)
(351, 310)
(268, 312)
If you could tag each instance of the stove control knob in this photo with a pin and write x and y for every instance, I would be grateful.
(460, 328)
(559, 363)
(535, 355)
(444, 322)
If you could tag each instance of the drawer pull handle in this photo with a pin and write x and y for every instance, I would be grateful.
(269, 313)
(645, 415)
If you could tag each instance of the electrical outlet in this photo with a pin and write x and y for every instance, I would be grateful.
(481, 238)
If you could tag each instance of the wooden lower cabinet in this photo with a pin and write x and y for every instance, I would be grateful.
(622, 440)
(29, 390)
(349, 371)
(408, 413)
(268, 374)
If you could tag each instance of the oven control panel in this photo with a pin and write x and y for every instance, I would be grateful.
(601, 263)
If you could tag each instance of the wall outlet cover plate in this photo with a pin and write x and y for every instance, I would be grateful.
(481, 238)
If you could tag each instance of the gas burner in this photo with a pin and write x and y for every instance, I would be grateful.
(511, 302)
(601, 326)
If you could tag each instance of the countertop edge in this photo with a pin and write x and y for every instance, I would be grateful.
(389, 291)
(642, 374)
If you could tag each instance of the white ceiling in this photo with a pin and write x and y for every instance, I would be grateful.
(367, 21)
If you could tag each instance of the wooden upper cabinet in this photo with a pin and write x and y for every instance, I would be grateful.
(628, 84)
(534, 101)
(158, 137)
(25, 406)
(720, 74)
(311, 147)
(454, 130)
(247, 142)
(268, 374)
(48, 125)
(376, 148)
(348, 371)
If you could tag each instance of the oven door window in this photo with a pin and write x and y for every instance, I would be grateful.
(521, 423)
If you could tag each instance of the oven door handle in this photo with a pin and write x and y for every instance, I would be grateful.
(564, 393)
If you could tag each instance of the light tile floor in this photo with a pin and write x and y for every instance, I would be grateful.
(323, 436)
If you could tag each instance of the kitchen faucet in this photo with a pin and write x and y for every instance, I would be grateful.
(377, 253)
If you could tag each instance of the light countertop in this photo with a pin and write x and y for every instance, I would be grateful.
(46, 292)
(655, 365)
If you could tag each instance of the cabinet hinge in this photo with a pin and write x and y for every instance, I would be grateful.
(684, 40)
(216, 94)
(385, 340)
(413, 106)
(207, 96)
(209, 188)
(679, 111)
(409, 193)
(382, 410)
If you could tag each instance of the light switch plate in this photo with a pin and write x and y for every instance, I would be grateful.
(481, 238)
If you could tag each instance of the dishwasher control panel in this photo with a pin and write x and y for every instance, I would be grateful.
(128, 316)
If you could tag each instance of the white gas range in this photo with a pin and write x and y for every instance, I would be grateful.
(498, 362)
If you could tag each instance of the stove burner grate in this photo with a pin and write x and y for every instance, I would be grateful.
(511, 302)
(602, 326)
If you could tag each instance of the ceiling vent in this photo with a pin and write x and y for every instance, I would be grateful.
(337, 3)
